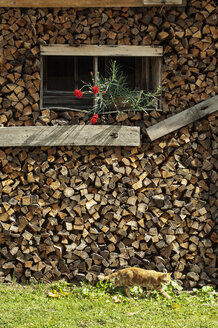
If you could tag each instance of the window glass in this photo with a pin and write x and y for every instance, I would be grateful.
(85, 67)
(65, 73)
(60, 73)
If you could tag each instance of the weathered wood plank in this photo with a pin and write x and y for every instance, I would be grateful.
(86, 3)
(184, 118)
(93, 50)
(86, 135)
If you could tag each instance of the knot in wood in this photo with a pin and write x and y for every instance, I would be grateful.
(114, 135)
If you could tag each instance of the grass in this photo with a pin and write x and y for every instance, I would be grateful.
(63, 306)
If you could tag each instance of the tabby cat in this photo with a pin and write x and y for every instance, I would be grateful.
(135, 276)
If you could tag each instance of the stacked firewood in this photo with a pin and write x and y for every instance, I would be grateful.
(190, 73)
(74, 212)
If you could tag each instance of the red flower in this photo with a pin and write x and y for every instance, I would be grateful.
(104, 92)
(95, 90)
(78, 93)
(94, 119)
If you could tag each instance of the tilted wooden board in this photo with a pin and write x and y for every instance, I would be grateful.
(78, 135)
(86, 3)
(184, 118)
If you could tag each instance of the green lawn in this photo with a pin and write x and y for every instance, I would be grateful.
(62, 306)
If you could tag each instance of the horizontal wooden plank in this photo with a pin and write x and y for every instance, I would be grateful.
(93, 50)
(186, 117)
(78, 135)
(86, 3)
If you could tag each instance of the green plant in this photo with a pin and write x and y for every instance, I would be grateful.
(59, 289)
(206, 294)
(172, 287)
(104, 286)
(112, 93)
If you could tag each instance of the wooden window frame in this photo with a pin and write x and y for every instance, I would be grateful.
(97, 51)
(87, 3)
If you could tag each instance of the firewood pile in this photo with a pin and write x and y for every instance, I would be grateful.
(68, 212)
(71, 212)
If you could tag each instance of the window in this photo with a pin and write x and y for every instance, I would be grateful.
(64, 67)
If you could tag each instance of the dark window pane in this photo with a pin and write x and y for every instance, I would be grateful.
(102, 65)
(66, 73)
(85, 67)
(60, 73)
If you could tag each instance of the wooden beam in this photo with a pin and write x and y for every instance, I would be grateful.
(78, 135)
(186, 117)
(86, 3)
(93, 50)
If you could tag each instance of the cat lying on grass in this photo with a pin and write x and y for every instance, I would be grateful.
(135, 276)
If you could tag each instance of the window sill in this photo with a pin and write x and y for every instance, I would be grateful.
(71, 135)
